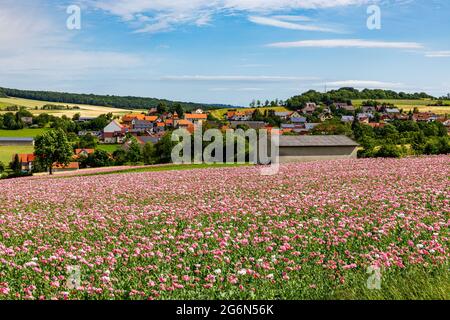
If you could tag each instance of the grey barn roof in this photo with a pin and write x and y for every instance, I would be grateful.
(316, 141)
(16, 139)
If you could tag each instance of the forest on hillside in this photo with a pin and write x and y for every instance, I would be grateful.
(127, 102)
(345, 95)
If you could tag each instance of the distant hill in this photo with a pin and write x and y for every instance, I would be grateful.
(127, 102)
(348, 94)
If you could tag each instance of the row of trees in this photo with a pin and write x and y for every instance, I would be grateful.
(394, 139)
(348, 94)
(127, 102)
(13, 121)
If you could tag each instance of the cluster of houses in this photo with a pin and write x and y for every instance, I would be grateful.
(386, 114)
(150, 127)
(27, 161)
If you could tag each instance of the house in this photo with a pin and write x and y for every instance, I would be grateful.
(198, 111)
(309, 108)
(83, 153)
(446, 123)
(364, 117)
(160, 127)
(376, 125)
(185, 124)
(251, 124)
(11, 141)
(392, 111)
(144, 139)
(245, 115)
(325, 115)
(283, 115)
(152, 111)
(27, 120)
(128, 119)
(344, 106)
(424, 117)
(195, 118)
(73, 166)
(368, 109)
(347, 119)
(401, 117)
(294, 127)
(26, 161)
(299, 120)
(114, 133)
(85, 119)
(311, 126)
(92, 133)
(312, 148)
(141, 125)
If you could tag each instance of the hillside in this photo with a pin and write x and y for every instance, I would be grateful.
(349, 94)
(36, 108)
(128, 102)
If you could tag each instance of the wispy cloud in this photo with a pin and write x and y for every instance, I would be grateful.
(347, 43)
(238, 78)
(369, 84)
(278, 23)
(154, 16)
(438, 54)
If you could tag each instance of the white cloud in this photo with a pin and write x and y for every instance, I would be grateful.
(438, 54)
(164, 15)
(266, 21)
(292, 18)
(238, 78)
(346, 43)
(36, 44)
(369, 84)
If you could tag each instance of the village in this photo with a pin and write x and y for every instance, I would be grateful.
(302, 131)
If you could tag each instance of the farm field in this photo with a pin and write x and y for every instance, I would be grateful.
(85, 110)
(408, 105)
(109, 147)
(22, 133)
(310, 232)
(7, 152)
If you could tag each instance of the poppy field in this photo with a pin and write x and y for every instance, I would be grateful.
(315, 230)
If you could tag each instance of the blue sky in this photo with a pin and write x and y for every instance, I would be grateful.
(224, 51)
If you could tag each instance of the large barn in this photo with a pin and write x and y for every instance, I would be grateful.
(311, 148)
(6, 141)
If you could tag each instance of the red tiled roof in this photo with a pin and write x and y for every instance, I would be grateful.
(88, 151)
(26, 157)
(72, 165)
(195, 116)
(184, 123)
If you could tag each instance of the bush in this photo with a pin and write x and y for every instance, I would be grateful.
(2, 167)
(98, 159)
(389, 151)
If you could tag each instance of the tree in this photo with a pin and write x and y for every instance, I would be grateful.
(179, 110)
(134, 154)
(52, 147)
(120, 157)
(99, 158)
(2, 167)
(87, 141)
(389, 151)
(76, 116)
(149, 153)
(161, 108)
(15, 165)
(164, 148)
